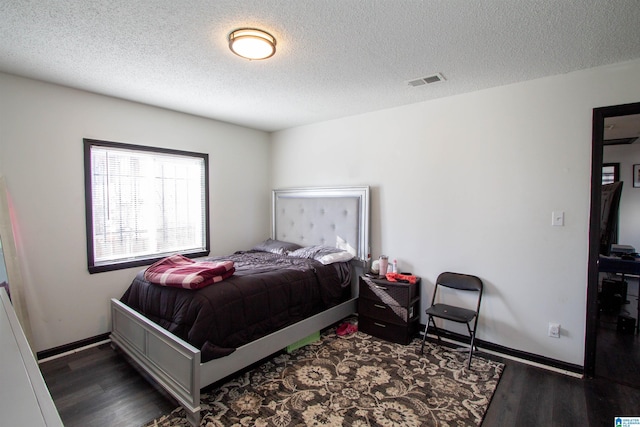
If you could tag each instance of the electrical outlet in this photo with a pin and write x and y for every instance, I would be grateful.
(554, 330)
(557, 218)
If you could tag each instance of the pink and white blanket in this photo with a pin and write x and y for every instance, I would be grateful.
(181, 272)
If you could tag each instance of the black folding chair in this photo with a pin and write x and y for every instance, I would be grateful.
(459, 282)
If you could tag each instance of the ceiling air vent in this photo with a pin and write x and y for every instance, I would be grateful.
(435, 78)
(619, 141)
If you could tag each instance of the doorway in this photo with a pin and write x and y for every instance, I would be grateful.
(596, 342)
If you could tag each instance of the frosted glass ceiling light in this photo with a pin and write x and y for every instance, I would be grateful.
(252, 43)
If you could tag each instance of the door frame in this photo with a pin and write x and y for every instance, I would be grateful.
(591, 329)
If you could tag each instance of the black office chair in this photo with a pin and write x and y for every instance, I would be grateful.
(460, 282)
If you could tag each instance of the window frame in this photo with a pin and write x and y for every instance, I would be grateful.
(88, 195)
(616, 171)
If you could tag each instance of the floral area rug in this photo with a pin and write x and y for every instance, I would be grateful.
(356, 380)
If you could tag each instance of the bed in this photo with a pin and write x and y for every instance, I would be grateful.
(182, 363)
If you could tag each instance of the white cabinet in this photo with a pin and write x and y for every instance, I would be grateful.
(24, 397)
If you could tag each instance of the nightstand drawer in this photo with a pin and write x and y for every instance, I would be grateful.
(387, 313)
(387, 331)
(386, 292)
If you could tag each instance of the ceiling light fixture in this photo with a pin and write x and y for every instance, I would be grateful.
(252, 43)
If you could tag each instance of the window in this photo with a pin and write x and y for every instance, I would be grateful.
(610, 173)
(143, 204)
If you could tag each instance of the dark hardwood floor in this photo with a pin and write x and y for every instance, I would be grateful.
(530, 396)
(527, 396)
(618, 354)
(98, 387)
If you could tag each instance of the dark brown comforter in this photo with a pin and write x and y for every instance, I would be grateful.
(267, 292)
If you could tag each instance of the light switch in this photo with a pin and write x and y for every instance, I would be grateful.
(557, 218)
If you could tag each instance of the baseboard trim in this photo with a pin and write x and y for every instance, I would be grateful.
(72, 347)
(499, 350)
(510, 353)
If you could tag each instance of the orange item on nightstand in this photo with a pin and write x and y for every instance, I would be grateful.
(397, 277)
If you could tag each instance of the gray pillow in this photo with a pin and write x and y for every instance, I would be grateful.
(324, 254)
(276, 247)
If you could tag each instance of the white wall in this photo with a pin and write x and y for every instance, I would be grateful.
(465, 183)
(3, 269)
(629, 227)
(41, 157)
(468, 184)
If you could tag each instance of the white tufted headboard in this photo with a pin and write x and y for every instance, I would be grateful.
(323, 216)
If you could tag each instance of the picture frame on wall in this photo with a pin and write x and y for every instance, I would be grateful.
(636, 176)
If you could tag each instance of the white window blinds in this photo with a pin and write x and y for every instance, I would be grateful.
(144, 204)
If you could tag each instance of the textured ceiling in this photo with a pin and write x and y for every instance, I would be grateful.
(621, 127)
(334, 58)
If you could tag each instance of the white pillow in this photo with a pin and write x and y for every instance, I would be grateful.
(336, 257)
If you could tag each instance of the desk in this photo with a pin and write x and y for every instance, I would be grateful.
(610, 264)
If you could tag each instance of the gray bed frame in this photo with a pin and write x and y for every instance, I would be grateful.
(307, 216)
